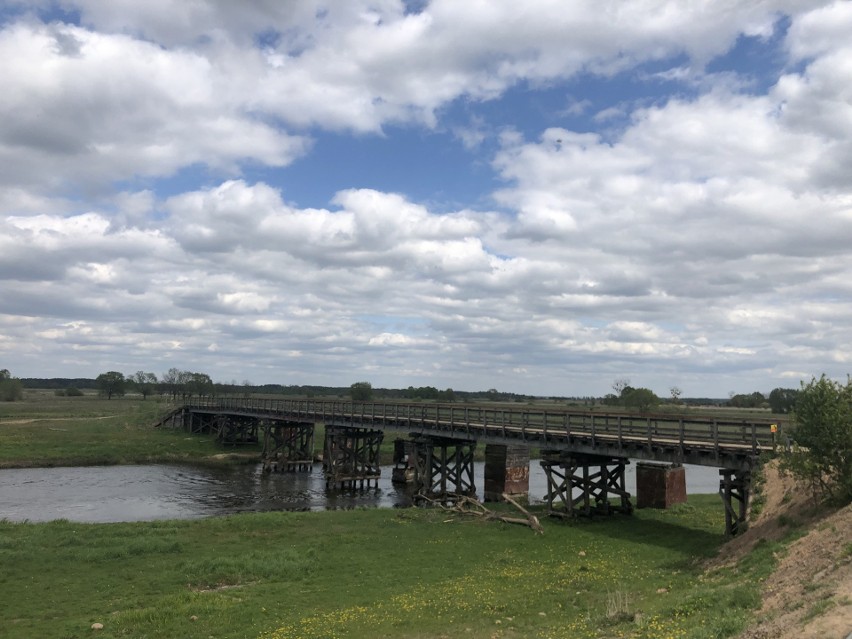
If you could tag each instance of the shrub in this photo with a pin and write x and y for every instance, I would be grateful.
(11, 389)
(822, 438)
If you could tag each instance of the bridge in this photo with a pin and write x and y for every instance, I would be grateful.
(583, 453)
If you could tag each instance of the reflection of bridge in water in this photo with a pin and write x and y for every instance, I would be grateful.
(584, 454)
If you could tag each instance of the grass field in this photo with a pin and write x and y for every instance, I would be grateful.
(45, 430)
(364, 573)
(376, 573)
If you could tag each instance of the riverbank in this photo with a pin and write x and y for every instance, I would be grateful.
(373, 573)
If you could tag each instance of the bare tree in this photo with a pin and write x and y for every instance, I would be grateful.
(620, 384)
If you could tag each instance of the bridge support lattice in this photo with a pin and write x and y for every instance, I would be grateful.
(735, 490)
(351, 457)
(287, 447)
(443, 469)
(199, 423)
(585, 484)
(233, 430)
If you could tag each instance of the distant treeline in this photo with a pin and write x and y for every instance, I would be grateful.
(429, 393)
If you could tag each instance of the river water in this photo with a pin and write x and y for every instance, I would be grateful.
(162, 491)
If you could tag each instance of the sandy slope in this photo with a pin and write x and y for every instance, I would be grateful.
(809, 595)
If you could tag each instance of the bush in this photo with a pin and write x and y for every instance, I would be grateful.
(11, 389)
(822, 438)
(73, 392)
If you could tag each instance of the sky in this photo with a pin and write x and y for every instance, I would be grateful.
(538, 197)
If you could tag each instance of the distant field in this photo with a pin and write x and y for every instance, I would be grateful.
(46, 430)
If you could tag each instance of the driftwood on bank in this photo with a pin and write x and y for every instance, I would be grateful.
(465, 505)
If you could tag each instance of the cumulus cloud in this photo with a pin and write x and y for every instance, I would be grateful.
(704, 241)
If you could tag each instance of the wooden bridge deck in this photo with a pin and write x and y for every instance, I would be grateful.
(724, 443)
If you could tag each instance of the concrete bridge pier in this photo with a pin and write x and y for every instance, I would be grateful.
(403, 461)
(735, 490)
(507, 470)
(351, 457)
(287, 447)
(443, 469)
(585, 484)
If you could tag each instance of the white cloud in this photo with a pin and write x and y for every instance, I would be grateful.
(706, 242)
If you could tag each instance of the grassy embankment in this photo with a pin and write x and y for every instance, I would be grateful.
(390, 573)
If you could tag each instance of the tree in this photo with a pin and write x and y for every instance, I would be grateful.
(822, 437)
(361, 391)
(11, 388)
(197, 384)
(111, 383)
(676, 393)
(143, 382)
(171, 381)
(783, 400)
(620, 384)
(754, 400)
(639, 398)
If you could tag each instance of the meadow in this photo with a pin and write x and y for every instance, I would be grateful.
(413, 573)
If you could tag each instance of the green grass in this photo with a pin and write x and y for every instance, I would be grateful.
(45, 430)
(377, 573)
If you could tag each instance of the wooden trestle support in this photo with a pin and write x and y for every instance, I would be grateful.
(287, 447)
(233, 430)
(443, 469)
(351, 457)
(199, 423)
(584, 484)
(735, 485)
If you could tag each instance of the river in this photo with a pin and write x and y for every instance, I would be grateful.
(163, 491)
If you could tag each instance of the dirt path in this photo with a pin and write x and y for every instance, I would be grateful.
(33, 420)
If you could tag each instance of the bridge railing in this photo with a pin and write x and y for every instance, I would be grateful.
(533, 423)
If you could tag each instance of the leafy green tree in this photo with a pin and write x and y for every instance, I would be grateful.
(361, 391)
(198, 384)
(783, 400)
(641, 399)
(143, 382)
(822, 437)
(111, 383)
(11, 388)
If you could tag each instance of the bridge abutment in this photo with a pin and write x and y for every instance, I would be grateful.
(507, 470)
(585, 484)
(287, 447)
(351, 457)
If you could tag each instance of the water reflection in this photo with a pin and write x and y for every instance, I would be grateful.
(149, 492)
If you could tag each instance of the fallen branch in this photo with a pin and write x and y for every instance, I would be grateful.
(465, 505)
(532, 520)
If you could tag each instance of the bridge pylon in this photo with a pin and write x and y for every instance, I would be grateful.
(735, 491)
(287, 446)
(579, 484)
(351, 457)
(233, 430)
(507, 471)
(443, 468)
